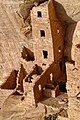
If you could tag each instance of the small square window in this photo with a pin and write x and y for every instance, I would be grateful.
(51, 76)
(59, 49)
(39, 14)
(58, 31)
(39, 87)
(42, 33)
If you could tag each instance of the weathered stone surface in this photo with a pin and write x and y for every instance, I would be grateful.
(62, 118)
(72, 38)
(11, 39)
(68, 10)
(73, 77)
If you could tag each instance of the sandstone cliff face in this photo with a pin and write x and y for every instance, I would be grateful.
(69, 13)
(11, 39)
(68, 10)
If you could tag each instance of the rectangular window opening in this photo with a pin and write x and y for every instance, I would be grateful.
(42, 33)
(59, 49)
(39, 14)
(51, 77)
(45, 54)
(39, 87)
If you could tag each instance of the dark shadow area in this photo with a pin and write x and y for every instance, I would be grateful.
(37, 70)
(10, 83)
(62, 87)
(17, 93)
(69, 25)
(27, 54)
(61, 13)
(78, 46)
(68, 41)
(50, 86)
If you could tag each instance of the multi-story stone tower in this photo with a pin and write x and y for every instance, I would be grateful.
(48, 36)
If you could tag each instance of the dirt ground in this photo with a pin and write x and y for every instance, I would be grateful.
(13, 110)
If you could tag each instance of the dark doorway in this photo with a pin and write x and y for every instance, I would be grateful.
(62, 87)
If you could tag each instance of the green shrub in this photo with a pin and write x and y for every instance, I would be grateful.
(51, 117)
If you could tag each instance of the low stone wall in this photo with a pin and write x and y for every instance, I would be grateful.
(51, 93)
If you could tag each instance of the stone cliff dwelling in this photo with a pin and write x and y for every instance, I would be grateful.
(47, 68)
(42, 72)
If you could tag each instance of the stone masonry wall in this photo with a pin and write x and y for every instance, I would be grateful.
(58, 32)
(44, 79)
